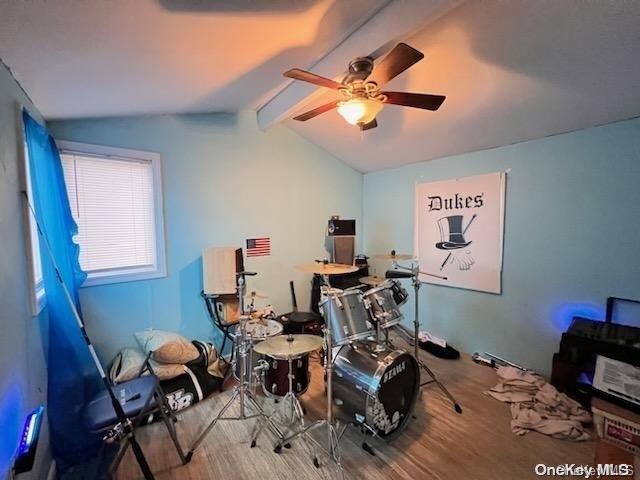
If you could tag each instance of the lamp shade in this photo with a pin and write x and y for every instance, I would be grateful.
(360, 111)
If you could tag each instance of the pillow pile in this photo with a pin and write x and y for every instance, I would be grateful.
(169, 353)
(167, 347)
(129, 361)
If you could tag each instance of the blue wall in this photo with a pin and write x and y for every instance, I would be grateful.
(571, 227)
(23, 374)
(224, 181)
(571, 238)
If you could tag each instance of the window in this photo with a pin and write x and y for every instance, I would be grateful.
(36, 284)
(116, 200)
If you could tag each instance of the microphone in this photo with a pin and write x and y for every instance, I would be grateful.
(397, 274)
(246, 274)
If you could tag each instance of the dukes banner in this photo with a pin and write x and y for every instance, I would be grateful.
(459, 231)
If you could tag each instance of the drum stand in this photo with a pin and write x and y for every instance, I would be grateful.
(242, 392)
(415, 273)
(332, 432)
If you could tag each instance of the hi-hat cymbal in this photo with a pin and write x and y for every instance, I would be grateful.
(326, 268)
(372, 280)
(283, 347)
(394, 256)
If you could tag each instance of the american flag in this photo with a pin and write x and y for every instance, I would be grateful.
(258, 247)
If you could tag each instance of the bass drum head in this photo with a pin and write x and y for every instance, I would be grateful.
(391, 408)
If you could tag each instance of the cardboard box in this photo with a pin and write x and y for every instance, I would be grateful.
(609, 454)
(617, 425)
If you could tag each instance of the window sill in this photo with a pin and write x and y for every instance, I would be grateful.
(123, 275)
(39, 301)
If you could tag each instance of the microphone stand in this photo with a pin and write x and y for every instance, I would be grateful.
(331, 424)
(417, 283)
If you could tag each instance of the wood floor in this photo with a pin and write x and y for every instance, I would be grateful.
(438, 444)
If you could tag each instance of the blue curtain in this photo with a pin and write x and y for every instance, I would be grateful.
(72, 376)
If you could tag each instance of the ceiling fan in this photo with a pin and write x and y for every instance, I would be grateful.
(362, 98)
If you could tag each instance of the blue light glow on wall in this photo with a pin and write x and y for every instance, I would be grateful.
(11, 420)
(564, 314)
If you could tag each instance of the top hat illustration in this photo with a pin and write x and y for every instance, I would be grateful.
(451, 234)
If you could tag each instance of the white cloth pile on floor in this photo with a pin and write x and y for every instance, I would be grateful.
(537, 406)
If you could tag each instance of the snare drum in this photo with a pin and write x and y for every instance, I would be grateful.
(383, 306)
(348, 317)
(257, 330)
(275, 382)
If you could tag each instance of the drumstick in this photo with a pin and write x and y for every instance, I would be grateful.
(442, 277)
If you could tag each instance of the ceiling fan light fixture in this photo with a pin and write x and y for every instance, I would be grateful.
(360, 110)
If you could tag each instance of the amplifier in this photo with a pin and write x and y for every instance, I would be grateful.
(617, 378)
(338, 227)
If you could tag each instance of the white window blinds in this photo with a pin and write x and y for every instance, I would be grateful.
(112, 200)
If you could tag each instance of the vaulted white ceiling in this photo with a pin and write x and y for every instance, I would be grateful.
(511, 70)
(81, 58)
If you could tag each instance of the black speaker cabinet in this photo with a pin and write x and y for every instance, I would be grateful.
(339, 227)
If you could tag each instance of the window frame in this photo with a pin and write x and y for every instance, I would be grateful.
(128, 274)
(37, 293)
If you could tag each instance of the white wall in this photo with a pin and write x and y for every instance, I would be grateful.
(23, 373)
(224, 181)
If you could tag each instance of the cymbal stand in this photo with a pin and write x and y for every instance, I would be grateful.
(333, 438)
(417, 283)
(242, 391)
(381, 336)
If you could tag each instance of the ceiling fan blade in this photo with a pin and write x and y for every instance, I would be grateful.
(305, 76)
(316, 111)
(415, 100)
(368, 126)
(399, 59)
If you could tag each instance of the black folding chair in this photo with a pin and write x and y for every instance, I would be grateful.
(143, 397)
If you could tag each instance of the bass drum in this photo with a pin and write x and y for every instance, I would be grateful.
(378, 389)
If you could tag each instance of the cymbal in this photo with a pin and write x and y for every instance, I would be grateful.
(372, 280)
(326, 268)
(283, 347)
(256, 294)
(394, 256)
